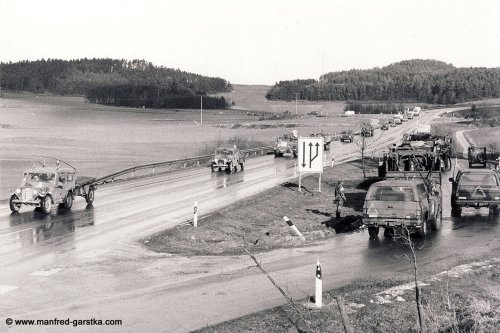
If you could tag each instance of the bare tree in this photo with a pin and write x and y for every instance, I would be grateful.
(404, 236)
(363, 144)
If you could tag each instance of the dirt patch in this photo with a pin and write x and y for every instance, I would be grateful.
(258, 220)
(464, 302)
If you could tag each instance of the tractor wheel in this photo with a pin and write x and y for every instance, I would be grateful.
(68, 202)
(90, 195)
(373, 231)
(14, 207)
(46, 204)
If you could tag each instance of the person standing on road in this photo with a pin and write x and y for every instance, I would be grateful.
(339, 197)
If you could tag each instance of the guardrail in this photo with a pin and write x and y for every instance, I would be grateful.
(166, 166)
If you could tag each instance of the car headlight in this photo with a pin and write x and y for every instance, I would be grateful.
(18, 190)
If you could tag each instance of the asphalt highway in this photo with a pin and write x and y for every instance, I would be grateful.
(86, 263)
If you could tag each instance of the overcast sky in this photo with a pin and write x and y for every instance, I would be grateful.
(254, 41)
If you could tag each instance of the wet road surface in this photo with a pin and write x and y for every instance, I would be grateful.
(84, 263)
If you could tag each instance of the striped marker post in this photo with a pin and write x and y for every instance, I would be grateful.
(294, 228)
(195, 213)
(319, 285)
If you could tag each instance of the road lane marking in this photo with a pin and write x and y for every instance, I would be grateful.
(47, 273)
(15, 232)
(5, 289)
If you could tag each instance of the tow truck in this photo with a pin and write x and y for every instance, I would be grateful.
(44, 186)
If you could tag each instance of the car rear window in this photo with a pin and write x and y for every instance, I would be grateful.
(391, 193)
(478, 179)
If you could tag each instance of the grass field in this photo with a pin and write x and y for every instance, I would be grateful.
(99, 140)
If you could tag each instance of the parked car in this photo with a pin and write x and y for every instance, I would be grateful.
(346, 136)
(476, 189)
(407, 202)
(476, 156)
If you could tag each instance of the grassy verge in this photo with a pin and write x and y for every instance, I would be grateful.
(466, 299)
(259, 219)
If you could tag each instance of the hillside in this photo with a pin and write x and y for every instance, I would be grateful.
(114, 82)
(425, 81)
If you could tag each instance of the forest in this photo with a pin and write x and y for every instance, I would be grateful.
(417, 80)
(134, 83)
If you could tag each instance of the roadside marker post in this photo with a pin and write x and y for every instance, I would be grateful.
(294, 228)
(195, 213)
(319, 285)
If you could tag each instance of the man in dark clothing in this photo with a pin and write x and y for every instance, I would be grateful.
(339, 197)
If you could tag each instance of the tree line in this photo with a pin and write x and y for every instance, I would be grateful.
(425, 81)
(115, 82)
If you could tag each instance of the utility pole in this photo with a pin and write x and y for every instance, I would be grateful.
(201, 110)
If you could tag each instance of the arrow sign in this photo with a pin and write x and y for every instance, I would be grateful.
(303, 155)
(310, 154)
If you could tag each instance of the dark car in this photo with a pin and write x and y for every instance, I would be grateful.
(475, 188)
(384, 127)
(346, 136)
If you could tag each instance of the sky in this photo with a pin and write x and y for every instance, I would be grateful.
(254, 41)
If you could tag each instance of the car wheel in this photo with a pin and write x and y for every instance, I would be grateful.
(212, 167)
(46, 204)
(422, 232)
(389, 232)
(68, 202)
(90, 196)
(229, 167)
(14, 207)
(242, 166)
(373, 231)
(494, 210)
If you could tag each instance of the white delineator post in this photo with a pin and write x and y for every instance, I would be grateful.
(333, 159)
(195, 213)
(319, 285)
(294, 228)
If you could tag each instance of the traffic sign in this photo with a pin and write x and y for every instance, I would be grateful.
(310, 154)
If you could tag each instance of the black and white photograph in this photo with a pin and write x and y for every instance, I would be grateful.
(276, 166)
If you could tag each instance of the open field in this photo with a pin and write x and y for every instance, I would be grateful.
(99, 140)
(253, 98)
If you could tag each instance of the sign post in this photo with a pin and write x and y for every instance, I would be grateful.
(310, 157)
